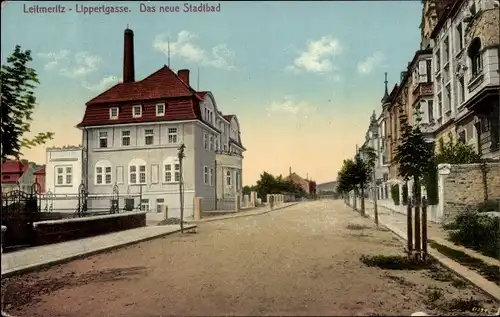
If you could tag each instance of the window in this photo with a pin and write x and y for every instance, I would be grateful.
(137, 111)
(64, 175)
(438, 61)
(103, 139)
(237, 182)
(172, 170)
(113, 113)
(446, 52)
(205, 141)
(461, 84)
(440, 106)
(475, 57)
(210, 143)
(119, 174)
(460, 37)
(206, 179)
(225, 147)
(103, 173)
(160, 202)
(430, 110)
(148, 136)
(160, 109)
(177, 168)
(133, 174)
(126, 138)
(172, 135)
(448, 98)
(142, 174)
(144, 204)
(228, 178)
(137, 172)
(217, 140)
(428, 66)
(168, 173)
(211, 176)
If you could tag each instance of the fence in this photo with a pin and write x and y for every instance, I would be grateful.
(84, 203)
(19, 212)
(212, 203)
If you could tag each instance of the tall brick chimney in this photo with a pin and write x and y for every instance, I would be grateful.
(128, 57)
(184, 75)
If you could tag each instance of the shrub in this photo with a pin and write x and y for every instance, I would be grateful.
(476, 231)
(405, 195)
(395, 194)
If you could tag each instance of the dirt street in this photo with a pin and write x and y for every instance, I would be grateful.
(302, 260)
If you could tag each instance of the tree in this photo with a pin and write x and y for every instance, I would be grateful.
(18, 82)
(354, 176)
(414, 155)
(452, 152)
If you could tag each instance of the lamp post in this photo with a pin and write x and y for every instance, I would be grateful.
(181, 156)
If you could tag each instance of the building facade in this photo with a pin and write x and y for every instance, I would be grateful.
(132, 133)
(466, 59)
(63, 176)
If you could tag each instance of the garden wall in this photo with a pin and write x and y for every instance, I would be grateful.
(463, 186)
(55, 231)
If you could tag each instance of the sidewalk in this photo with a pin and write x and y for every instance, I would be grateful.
(37, 257)
(252, 212)
(396, 222)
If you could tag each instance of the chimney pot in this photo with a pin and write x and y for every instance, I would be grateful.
(128, 57)
(184, 75)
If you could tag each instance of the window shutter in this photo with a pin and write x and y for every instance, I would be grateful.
(154, 174)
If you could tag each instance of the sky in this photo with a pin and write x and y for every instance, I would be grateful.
(302, 77)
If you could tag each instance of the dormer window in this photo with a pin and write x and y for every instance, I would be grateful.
(113, 113)
(160, 109)
(137, 111)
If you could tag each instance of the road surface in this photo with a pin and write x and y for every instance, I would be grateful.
(302, 260)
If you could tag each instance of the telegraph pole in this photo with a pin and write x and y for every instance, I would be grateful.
(181, 156)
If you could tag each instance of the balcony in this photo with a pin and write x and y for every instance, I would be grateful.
(230, 159)
(423, 89)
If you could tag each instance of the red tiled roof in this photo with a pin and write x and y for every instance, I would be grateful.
(165, 86)
(228, 117)
(163, 83)
(12, 171)
(40, 170)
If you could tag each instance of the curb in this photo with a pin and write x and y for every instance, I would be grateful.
(35, 267)
(240, 216)
(484, 286)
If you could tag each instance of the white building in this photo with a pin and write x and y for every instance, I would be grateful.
(132, 133)
(466, 74)
(63, 176)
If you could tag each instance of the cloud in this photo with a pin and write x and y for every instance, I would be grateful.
(317, 57)
(369, 64)
(105, 83)
(185, 48)
(85, 63)
(82, 63)
(54, 58)
(290, 105)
